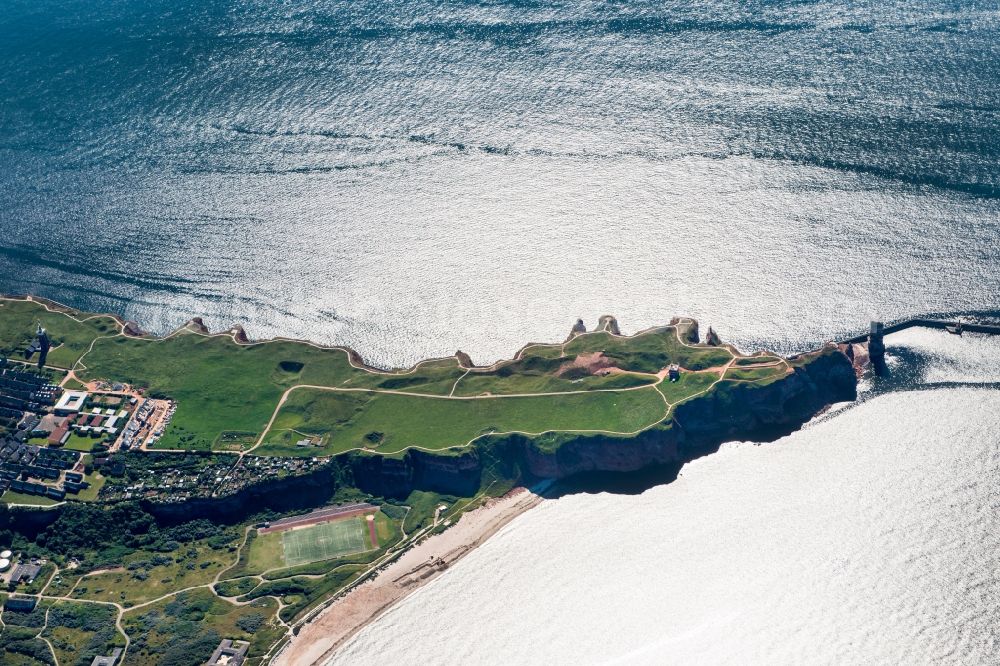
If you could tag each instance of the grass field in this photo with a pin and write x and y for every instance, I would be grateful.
(186, 628)
(324, 542)
(226, 393)
(10, 497)
(689, 384)
(84, 443)
(144, 577)
(97, 481)
(70, 338)
(390, 423)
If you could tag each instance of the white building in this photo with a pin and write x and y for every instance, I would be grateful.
(70, 402)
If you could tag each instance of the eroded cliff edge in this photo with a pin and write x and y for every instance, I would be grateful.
(734, 411)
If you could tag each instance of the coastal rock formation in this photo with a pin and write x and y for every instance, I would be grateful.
(132, 329)
(734, 411)
(741, 412)
(712, 338)
(464, 360)
(196, 324)
(578, 328)
(609, 324)
(858, 355)
(240, 335)
(689, 333)
(738, 411)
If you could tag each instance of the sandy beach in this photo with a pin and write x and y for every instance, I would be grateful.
(318, 640)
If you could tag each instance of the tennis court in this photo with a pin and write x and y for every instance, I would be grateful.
(324, 541)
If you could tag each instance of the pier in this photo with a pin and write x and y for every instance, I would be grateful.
(964, 326)
(877, 332)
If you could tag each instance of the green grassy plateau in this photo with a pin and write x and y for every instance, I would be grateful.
(274, 394)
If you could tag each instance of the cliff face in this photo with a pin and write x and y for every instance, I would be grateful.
(732, 411)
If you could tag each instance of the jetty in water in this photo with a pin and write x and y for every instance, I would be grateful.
(878, 330)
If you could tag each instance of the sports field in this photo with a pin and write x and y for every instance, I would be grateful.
(324, 542)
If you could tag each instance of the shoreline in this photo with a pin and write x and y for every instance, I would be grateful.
(237, 334)
(320, 639)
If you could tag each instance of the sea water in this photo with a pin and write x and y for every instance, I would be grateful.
(413, 177)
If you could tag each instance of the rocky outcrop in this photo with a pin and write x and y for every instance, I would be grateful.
(240, 335)
(858, 354)
(733, 411)
(464, 360)
(132, 329)
(689, 333)
(196, 324)
(609, 324)
(578, 328)
(712, 338)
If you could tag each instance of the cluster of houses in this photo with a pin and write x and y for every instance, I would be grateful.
(32, 407)
(24, 467)
(99, 420)
(252, 470)
(23, 394)
(214, 475)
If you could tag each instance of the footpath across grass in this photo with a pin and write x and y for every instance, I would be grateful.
(390, 423)
(227, 393)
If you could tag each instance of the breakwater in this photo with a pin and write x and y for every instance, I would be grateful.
(918, 322)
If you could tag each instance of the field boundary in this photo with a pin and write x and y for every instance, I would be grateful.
(318, 517)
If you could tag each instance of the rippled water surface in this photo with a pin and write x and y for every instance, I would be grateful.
(412, 177)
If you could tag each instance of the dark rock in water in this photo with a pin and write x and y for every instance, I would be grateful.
(712, 338)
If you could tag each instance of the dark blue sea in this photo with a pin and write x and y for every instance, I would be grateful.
(412, 177)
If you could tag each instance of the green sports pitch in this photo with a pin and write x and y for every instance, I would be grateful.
(324, 541)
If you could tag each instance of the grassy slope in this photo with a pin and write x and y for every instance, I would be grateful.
(70, 338)
(218, 385)
(172, 627)
(125, 587)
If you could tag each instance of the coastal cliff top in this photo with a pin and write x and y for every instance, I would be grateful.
(295, 398)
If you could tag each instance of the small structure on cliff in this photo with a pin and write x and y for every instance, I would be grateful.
(40, 344)
(674, 372)
(230, 653)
